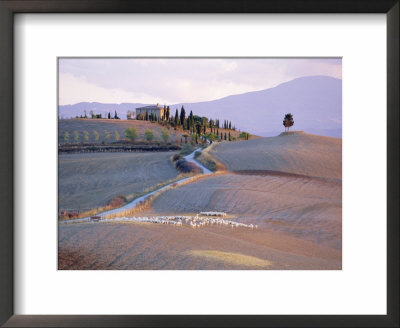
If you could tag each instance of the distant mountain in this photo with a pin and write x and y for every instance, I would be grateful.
(314, 101)
(68, 111)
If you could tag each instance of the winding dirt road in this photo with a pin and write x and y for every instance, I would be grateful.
(135, 202)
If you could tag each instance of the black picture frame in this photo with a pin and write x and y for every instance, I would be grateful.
(10, 7)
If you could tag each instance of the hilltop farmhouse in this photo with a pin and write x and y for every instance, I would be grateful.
(156, 110)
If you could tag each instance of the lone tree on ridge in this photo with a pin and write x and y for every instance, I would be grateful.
(288, 121)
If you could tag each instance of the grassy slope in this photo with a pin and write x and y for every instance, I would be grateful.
(103, 125)
(303, 154)
(90, 180)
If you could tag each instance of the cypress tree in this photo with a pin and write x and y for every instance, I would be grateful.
(176, 117)
(182, 116)
(191, 119)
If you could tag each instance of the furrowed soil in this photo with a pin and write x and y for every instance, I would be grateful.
(302, 154)
(90, 180)
(290, 186)
(306, 208)
(147, 246)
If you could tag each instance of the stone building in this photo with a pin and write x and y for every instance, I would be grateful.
(157, 110)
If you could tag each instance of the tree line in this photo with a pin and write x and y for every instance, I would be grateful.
(92, 115)
(199, 128)
(192, 123)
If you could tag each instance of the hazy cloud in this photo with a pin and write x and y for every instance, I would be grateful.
(116, 80)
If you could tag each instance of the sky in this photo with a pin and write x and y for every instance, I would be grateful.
(176, 80)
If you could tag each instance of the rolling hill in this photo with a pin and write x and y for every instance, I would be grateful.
(300, 154)
(289, 183)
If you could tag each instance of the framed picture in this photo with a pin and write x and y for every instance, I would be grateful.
(166, 165)
(204, 175)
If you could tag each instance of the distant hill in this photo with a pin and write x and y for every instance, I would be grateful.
(314, 101)
(69, 111)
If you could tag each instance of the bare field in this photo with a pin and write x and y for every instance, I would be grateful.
(103, 125)
(290, 186)
(303, 154)
(148, 246)
(309, 209)
(90, 180)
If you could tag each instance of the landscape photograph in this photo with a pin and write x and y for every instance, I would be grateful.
(199, 163)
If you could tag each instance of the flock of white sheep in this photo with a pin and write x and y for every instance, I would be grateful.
(192, 221)
(199, 220)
